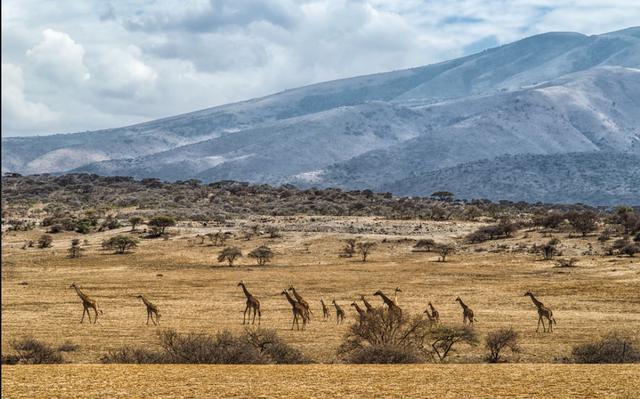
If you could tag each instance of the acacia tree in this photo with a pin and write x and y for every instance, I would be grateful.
(45, 241)
(349, 248)
(135, 220)
(229, 254)
(445, 250)
(364, 248)
(121, 243)
(583, 222)
(160, 223)
(75, 251)
(262, 255)
(444, 338)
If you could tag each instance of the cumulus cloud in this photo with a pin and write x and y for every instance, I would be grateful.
(18, 113)
(59, 58)
(98, 63)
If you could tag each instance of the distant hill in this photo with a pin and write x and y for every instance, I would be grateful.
(548, 94)
(594, 178)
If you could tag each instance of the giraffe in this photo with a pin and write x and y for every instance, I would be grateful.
(151, 310)
(395, 295)
(361, 313)
(366, 304)
(87, 303)
(435, 315)
(467, 313)
(325, 310)
(302, 302)
(252, 304)
(543, 311)
(297, 309)
(339, 312)
(392, 305)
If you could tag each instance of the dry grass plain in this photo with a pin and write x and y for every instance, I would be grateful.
(197, 294)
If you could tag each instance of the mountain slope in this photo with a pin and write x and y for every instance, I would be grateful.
(529, 61)
(596, 178)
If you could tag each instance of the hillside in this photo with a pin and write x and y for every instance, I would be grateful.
(595, 178)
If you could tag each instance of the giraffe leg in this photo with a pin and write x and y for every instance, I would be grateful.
(95, 317)
(254, 316)
(550, 325)
(244, 315)
(83, 312)
(148, 315)
(540, 321)
(89, 315)
(295, 318)
(153, 321)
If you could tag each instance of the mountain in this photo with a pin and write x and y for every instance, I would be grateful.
(547, 94)
(592, 177)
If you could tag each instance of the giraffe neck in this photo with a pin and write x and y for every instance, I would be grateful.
(387, 300)
(431, 307)
(463, 304)
(246, 292)
(536, 302)
(145, 300)
(366, 303)
(295, 294)
(337, 306)
(395, 298)
(291, 300)
(358, 308)
(81, 294)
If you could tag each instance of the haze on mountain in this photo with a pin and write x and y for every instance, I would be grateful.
(538, 102)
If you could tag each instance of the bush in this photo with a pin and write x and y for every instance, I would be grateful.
(250, 347)
(45, 241)
(32, 351)
(160, 223)
(567, 262)
(583, 222)
(383, 337)
(55, 228)
(364, 249)
(68, 346)
(612, 348)
(424, 245)
(499, 340)
(444, 250)
(349, 248)
(444, 338)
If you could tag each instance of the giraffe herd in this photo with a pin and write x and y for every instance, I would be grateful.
(302, 311)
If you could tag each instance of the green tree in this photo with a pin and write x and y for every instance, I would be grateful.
(229, 254)
(160, 223)
(121, 243)
(262, 254)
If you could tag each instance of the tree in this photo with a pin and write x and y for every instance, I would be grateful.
(630, 249)
(364, 248)
(443, 196)
(583, 222)
(349, 248)
(444, 338)
(262, 255)
(135, 220)
(444, 250)
(497, 341)
(160, 223)
(549, 250)
(424, 245)
(121, 243)
(75, 251)
(230, 254)
(45, 241)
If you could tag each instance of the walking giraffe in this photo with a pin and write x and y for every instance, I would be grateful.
(152, 310)
(339, 312)
(253, 304)
(543, 311)
(297, 310)
(302, 302)
(325, 310)
(467, 313)
(366, 303)
(361, 313)
(87, 303)
(393, 308)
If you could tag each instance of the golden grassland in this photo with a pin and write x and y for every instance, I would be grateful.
(197, 294)
(323, 381)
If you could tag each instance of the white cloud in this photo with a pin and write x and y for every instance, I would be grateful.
(59, 58)
(18, 113)
(105, 63)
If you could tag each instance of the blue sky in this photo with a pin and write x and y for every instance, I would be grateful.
(71, 65)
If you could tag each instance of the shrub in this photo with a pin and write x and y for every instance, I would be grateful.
(68, 346)
(583, 222)
(250, 347)
(566, 262)
(229, 254)
(549, 250)
(612, 348)
(135, 221)
(32, 351)
(383, 337)
(55, 228)
(75, 251)
(45, 241)
(262, 254)
(499, 340)
(444, 338)
(630, 249)
(273, 232)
